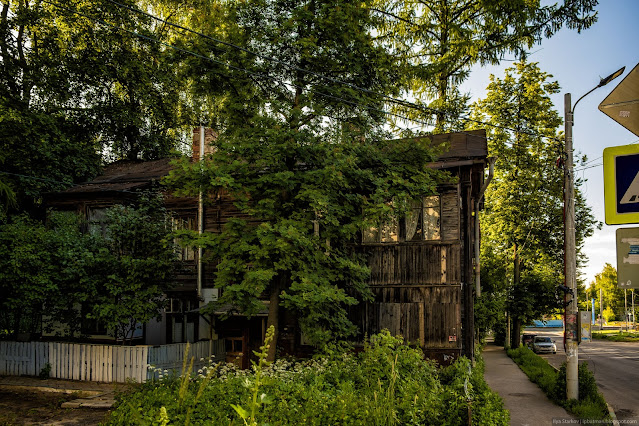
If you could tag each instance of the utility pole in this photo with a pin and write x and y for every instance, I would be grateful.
(570, 261)
(625, 306)
(570, 250)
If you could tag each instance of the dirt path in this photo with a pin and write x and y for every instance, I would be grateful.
(33, 407)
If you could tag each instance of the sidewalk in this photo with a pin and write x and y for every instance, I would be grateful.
(90, 394)
(527, 404)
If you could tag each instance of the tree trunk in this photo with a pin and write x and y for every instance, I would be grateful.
(274, 314)
(514, 336)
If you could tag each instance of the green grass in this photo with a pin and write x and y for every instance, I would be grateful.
(616, 335)
(591, 404)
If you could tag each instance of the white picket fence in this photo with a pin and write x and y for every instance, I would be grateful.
(102, 363)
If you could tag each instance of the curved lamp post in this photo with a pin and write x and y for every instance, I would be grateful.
(570, 251)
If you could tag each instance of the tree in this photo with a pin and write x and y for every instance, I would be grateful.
(55, 276)
(522, 226)
(79, 84)
(136, 266)
(25, 275)
(442, 39)
(307, 161)
(613, 296)
(45, 274)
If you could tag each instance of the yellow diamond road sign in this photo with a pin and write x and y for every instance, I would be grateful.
(621, 184)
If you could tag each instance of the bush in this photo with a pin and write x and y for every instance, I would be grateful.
(591, 404)
(388, 383)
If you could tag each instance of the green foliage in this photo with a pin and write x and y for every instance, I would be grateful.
(537, 369)
(137, 263)
(77, 87)
(386, 383)
(609, 314)
(591, 404)
(440, 41)
(48, 272)
(613, 296)
(44, 270)
(616, 336)
(296, 158)
(45, 372)
(522, 224)
(254, 403)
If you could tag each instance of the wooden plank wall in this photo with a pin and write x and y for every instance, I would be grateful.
(427, 315)
(102, 363)
(414, 264)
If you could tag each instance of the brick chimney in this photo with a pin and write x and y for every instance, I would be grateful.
(209, 136)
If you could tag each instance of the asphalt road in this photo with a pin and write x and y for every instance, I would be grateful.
(616, 369)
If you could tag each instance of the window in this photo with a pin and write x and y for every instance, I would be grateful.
(97, 219)
(431, 215)
(184, 253)
(422, 223)
(388, 232)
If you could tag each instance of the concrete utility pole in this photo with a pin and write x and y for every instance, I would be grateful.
(570, 251)
(570, 262)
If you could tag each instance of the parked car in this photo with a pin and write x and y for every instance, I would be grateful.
(527, 339)
(544, 345)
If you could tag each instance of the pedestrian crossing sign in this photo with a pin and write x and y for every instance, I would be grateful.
(621, 184)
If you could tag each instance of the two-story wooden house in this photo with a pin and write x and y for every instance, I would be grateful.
(422, 266)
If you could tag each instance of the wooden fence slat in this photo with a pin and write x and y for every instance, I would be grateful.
(106, 363)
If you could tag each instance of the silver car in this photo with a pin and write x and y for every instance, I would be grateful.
(544, 345)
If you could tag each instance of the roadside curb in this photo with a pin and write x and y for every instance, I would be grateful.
(613, 416)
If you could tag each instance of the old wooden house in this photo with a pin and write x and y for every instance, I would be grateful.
(423, 266)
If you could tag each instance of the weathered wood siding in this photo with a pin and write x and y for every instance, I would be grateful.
(426, 315)
(413, 263)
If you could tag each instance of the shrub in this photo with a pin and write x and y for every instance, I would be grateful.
(388, 383)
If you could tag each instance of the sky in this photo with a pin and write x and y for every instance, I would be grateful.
(577, 62)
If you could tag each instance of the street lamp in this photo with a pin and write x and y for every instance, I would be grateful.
(570, 251)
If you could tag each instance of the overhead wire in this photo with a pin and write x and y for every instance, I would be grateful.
(253, 73)
(399, 102)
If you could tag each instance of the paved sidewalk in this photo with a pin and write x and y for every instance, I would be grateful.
(90, 394)
(527, 404)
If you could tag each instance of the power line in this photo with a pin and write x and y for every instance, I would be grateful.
(297, 68)
(241, 69)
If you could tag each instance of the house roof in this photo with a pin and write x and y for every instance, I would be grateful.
(463, 148)
(125, 176)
